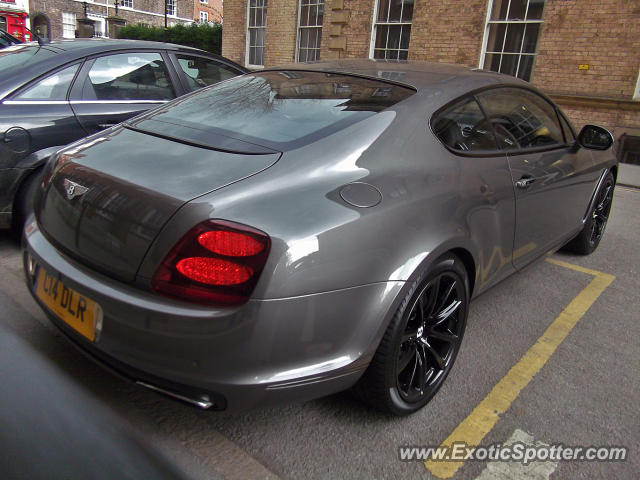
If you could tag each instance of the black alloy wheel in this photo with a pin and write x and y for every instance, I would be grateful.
(431, 338)
(591, 234)
(601, 210)
(421, 343)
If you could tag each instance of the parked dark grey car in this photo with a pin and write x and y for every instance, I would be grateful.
(294, 232)
(54, 94)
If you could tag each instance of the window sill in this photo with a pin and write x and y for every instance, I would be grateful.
(595, 101)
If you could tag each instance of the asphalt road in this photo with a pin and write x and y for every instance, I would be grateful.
(586, 394)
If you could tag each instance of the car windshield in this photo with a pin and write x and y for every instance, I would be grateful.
(279, 110)
(22, 55)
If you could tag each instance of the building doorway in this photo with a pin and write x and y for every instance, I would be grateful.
(41, 25)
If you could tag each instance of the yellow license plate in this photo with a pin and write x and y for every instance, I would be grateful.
(77, 311)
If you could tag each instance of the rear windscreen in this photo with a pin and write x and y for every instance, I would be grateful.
(279, 110)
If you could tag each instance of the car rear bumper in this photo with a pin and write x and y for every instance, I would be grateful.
(266, 351)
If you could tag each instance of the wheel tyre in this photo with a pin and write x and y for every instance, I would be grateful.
(390, 383)
(23, 205)
(589, 237)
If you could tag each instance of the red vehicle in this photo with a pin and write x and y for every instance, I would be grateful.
(14, 23)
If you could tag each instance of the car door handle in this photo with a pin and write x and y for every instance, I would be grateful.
(107, 125)
(525, 182)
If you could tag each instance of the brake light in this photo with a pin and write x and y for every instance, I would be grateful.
(230, 243)
(213, 271)
(216, 263)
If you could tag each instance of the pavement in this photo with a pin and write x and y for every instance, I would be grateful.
(551, 354)
(629, 175)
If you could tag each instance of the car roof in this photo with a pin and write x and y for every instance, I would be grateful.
(450, 81)
(61, 52)
(89, 46)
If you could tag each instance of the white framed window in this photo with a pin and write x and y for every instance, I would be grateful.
(99, 25)
(391, 29)
(256, 32)
(126, 3)
(511, 36)
(204, 17)
(170, 5)
(636, 93)
(68, 25)
(310, 16)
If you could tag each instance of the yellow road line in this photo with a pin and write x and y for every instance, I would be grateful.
(483, 418)
(578, 268)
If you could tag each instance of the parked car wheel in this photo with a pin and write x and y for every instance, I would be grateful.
(421, 343)
(24, 200)
(589, 237)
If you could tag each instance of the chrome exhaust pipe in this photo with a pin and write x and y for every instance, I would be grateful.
(203, 402)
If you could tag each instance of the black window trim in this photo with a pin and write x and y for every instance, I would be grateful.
(500, 152)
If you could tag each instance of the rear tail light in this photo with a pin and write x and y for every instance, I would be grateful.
(213, 271)
(216, 263)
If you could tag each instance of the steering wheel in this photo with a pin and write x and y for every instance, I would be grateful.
(504, 135)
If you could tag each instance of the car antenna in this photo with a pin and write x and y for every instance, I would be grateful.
(41, 41)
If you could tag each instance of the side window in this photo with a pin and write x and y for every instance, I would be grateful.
(521, 119)
(52, 87)
(464, 127)
(201, 71)
(128, 76)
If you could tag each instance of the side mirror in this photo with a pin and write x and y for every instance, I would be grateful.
(595, 138)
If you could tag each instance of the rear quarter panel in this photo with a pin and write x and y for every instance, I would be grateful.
(432, 202)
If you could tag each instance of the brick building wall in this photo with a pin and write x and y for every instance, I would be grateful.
(212, 7)
(234, 30)
(53, 9)
(334, 28)
(353, 20)
(603, 34)
(449, 31)
(282, 18)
